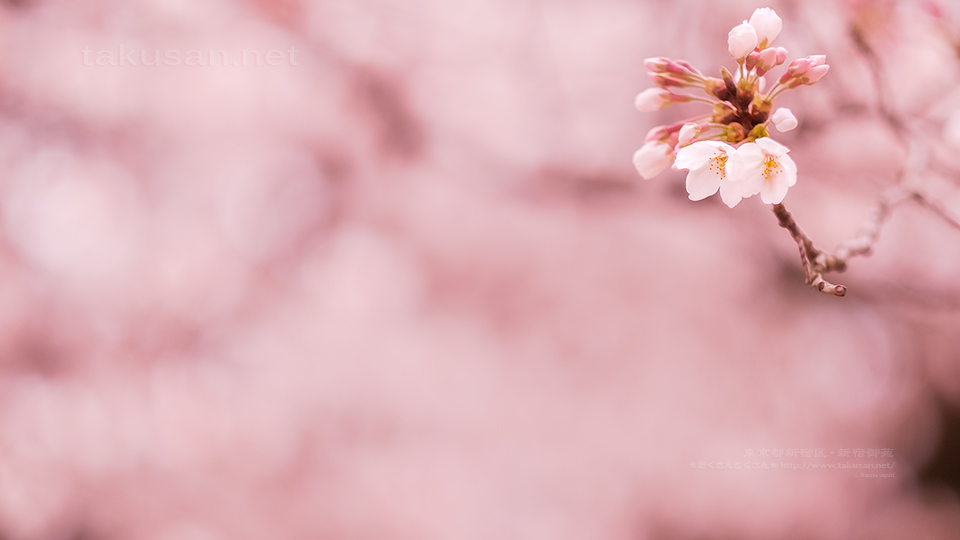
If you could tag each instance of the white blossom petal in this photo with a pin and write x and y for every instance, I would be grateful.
(746, 168)
(789, 170)
(773, 190)
(698, 154)
(702, 183)
(750, 185)
(772, 147)
(731, 191)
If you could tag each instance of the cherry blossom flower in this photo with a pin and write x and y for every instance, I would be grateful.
(707, 163)
(652, 158)
(742, 40)
(784, 120)
(764, 167)
(767, 25)
(729, 148)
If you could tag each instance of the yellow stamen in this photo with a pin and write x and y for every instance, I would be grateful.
(771, 167)
(719, 165)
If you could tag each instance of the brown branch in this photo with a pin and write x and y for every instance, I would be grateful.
(815, 262)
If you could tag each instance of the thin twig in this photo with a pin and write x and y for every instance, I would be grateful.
(815, 262)
(937, 208)
(863, 243)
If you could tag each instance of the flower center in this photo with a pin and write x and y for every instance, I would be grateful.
(771, 167)
(719, 165)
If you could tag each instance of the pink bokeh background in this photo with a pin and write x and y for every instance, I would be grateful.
(409, 286)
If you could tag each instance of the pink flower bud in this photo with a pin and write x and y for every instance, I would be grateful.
(652, 158)
(752, 60)
(664, 134)
(676, 69)
(767, 25)
(784, 120)
(805, 70)
(742, 40)
(799, 67)
(688, 132)
(652, 99)
(657, 64)
(687, 69)
(768, 58)
(667, 81)
(815, 74)
(781, 56)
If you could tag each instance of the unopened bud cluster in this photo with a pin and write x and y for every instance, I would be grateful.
(728, 149)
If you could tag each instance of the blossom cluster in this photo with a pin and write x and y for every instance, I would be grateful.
(728, 149)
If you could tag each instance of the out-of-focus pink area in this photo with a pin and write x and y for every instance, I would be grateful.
(409, 286)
